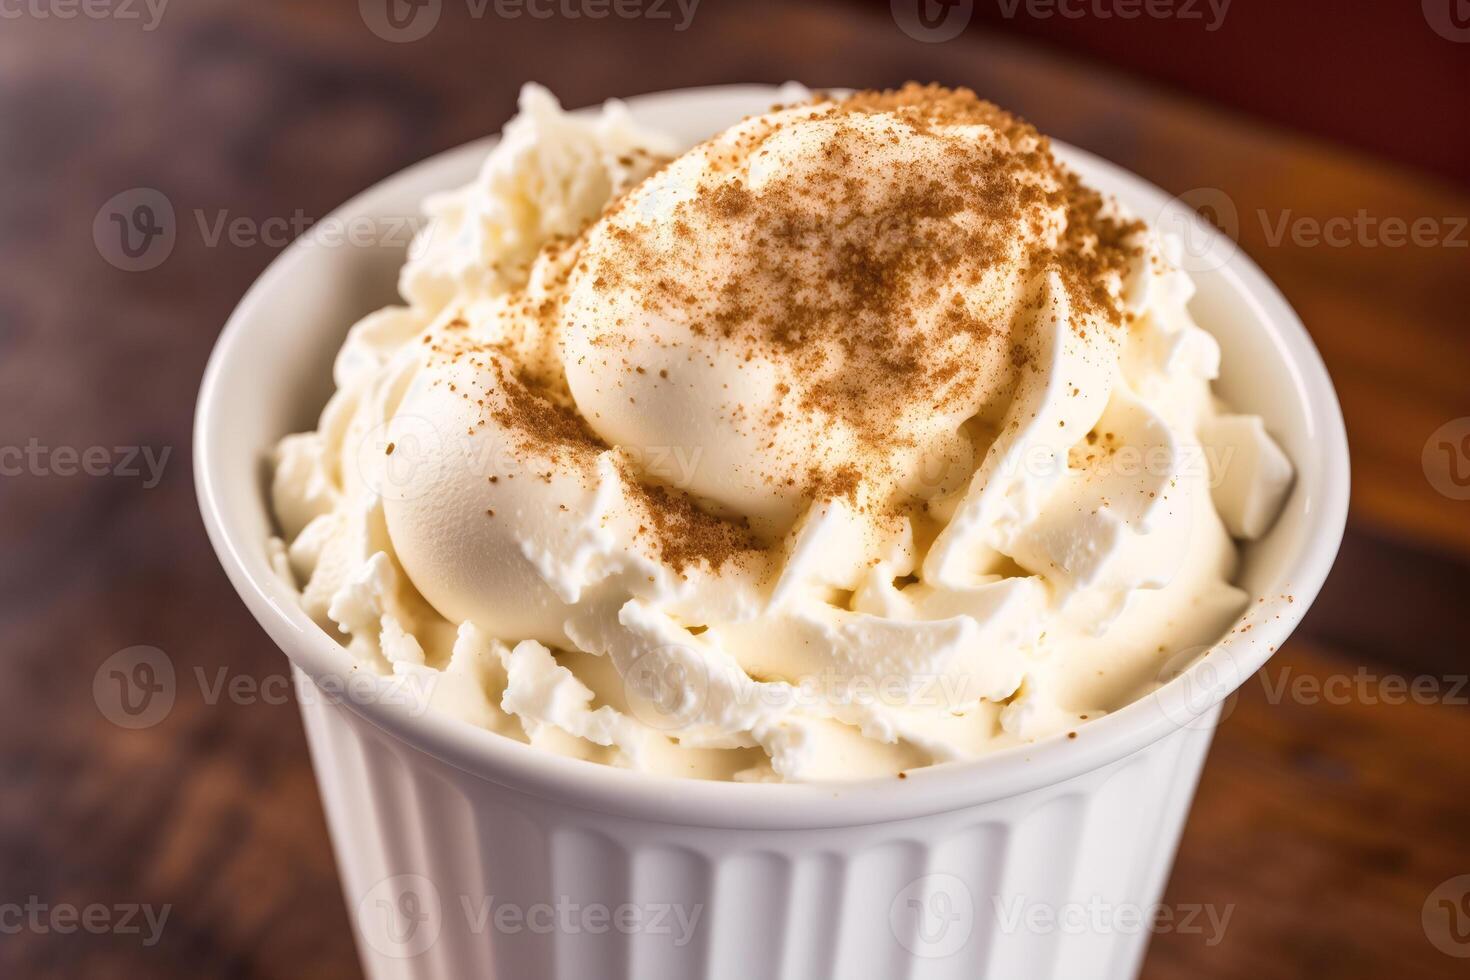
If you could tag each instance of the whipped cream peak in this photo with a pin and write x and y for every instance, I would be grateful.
(838, 288)
(860, 436)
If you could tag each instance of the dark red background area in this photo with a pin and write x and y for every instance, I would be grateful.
(1371, 73)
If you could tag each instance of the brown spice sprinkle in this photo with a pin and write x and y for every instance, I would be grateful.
(546, 425)
(686, 534)
(885, 273)
(542, 422)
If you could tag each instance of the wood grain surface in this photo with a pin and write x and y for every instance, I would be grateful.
(1323, 823)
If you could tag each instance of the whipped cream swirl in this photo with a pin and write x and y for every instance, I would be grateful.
(860, 437)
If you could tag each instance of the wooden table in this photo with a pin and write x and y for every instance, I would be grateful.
(1324, 826)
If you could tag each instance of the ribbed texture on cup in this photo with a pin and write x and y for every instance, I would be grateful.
(450, 876)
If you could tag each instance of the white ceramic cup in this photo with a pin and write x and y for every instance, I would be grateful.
(465, 854)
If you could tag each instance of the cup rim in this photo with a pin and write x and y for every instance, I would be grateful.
(669, 799)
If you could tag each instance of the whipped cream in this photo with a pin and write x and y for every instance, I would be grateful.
(860, 437)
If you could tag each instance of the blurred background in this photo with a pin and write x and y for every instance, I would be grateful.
(1330, 138)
